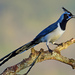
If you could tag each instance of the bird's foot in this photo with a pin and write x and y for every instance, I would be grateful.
(58, 44)
(50, 51)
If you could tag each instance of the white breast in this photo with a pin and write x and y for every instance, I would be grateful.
(53, 36)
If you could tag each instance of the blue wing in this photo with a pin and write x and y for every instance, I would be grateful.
(46, 31)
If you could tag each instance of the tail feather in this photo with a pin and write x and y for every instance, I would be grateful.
(16, 52)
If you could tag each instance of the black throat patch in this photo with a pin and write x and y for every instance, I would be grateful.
(63, 24)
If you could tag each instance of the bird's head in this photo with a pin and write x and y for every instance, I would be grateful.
(67, 15)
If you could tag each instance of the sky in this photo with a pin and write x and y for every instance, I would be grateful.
(22, 20)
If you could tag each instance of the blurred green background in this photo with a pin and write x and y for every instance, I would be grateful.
(22, 20)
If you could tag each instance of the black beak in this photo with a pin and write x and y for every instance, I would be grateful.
(73, 16)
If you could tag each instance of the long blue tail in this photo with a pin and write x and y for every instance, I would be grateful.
(16, 52)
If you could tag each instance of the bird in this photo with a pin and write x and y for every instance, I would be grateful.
(49, 35)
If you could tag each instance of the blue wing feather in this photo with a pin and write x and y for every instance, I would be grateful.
(46, 31)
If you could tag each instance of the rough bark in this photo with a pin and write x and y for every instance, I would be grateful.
(45, 55)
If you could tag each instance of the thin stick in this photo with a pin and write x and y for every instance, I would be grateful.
(32, 64)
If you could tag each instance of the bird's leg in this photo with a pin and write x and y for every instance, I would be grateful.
(49, 48)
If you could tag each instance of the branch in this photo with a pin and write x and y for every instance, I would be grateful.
(45, 55)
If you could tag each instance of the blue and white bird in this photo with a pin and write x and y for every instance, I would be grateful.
(49, 35)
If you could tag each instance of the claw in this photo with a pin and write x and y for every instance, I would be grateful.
(50, 51)
(58, 44)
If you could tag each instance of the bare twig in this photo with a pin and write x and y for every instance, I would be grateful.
(32, 64)
(45, 55)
